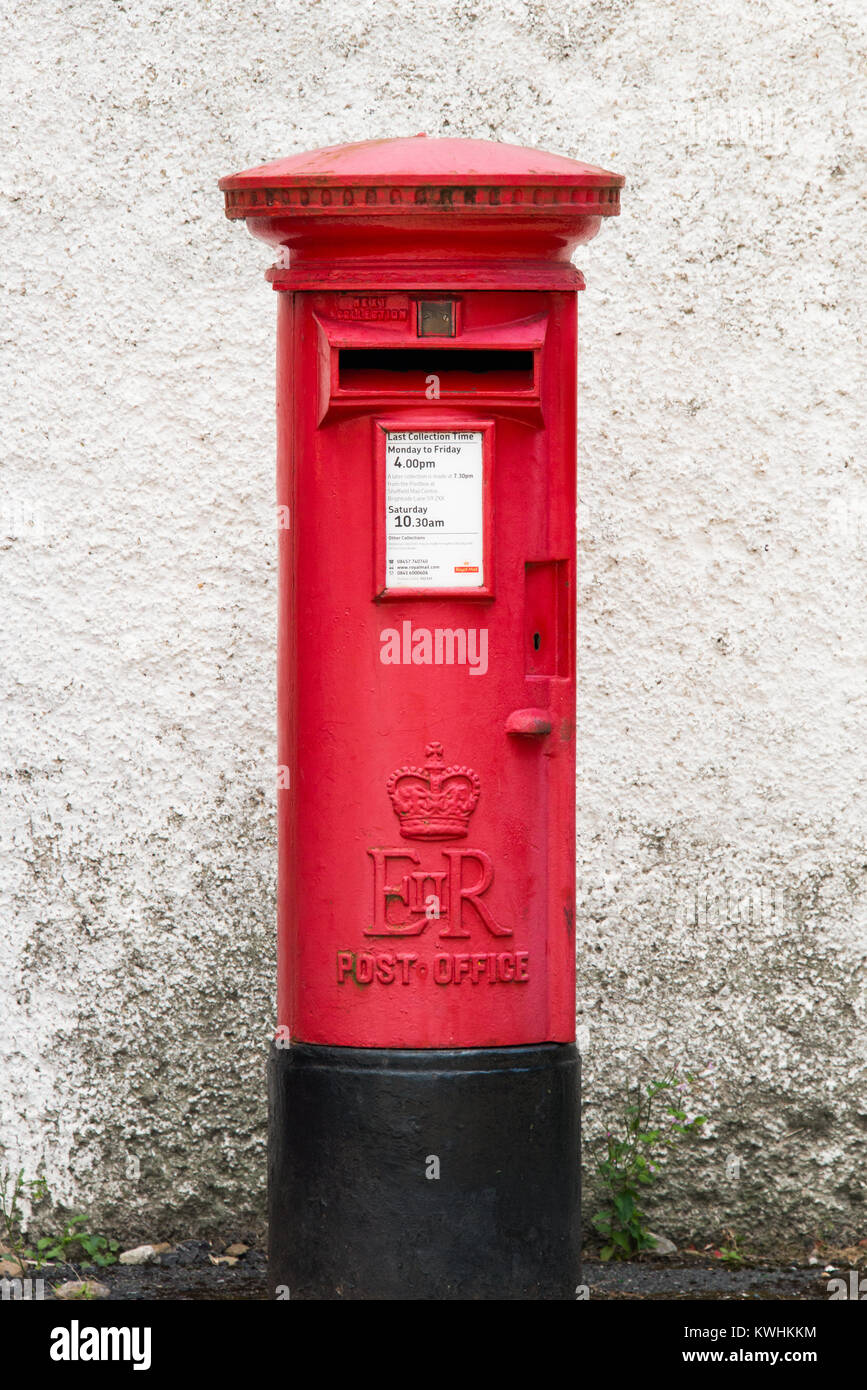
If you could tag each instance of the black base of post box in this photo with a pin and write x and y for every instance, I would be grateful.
(424, 1174)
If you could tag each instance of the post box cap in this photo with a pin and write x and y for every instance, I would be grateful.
(421, 198)
(373, 176)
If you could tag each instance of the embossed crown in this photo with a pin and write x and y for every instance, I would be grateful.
(434, 802)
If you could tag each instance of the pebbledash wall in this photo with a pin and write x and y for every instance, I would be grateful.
(722, 853)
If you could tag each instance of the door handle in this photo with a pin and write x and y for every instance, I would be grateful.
(529, 722)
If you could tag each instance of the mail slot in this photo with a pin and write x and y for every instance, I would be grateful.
(448, 371)
(424, 1081)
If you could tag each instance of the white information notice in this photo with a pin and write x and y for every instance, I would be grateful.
(434, 524)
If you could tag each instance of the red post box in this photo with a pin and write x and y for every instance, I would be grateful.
(424, 1082)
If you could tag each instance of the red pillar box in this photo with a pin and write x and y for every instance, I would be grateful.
(424, 1085)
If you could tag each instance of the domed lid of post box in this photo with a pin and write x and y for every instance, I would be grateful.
(351, 214)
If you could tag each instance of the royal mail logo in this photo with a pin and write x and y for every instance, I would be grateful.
(434, 802)
(447, 893)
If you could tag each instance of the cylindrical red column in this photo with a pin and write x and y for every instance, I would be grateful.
(424, 1081)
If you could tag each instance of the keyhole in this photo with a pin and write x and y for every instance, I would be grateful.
(537, 641)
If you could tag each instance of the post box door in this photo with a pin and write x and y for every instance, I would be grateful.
(428, 709)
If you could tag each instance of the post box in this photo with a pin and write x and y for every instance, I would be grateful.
(424, 1081)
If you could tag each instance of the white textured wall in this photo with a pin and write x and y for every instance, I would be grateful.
(723, 704)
